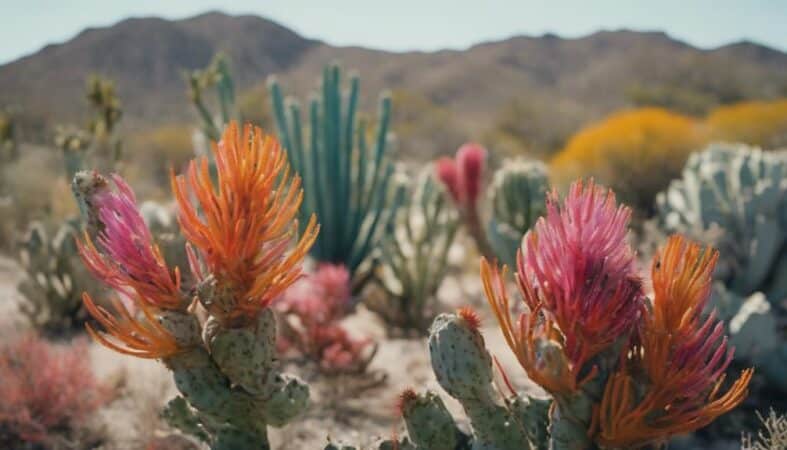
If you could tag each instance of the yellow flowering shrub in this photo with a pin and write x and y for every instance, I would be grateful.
(635, 152)
(762, 123)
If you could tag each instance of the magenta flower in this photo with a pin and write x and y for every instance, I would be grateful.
(126, 258)
(577, 264)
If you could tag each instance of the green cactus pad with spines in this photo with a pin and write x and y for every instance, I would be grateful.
(533, 414)
(429, 424)
(245, 355)
(463, 368)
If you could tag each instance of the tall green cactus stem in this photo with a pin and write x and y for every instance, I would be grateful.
(347, 183)
(517, 194)
(54, 281)
(415, 255)
(463, 368)
(215, 76)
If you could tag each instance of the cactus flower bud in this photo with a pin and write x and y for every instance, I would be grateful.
(470, 160)
(448, 174)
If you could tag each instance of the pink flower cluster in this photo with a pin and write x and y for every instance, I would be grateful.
(312, 310)
(43, 389)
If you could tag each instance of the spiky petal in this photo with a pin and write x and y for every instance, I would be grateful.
(682, 355)
(126, 258)
(244, 225)
(577, 267)
(533, 338)
(125, 333)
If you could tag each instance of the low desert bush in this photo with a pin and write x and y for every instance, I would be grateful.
(47, 391)
(635, 152)
(760, 123)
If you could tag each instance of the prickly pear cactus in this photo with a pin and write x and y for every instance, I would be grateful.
(518, 198)
(55, 279)
(415, 256)
(464, 369)
(741, 192)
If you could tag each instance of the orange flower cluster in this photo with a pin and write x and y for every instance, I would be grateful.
(245, 224)
(242, 228)
(681, 358)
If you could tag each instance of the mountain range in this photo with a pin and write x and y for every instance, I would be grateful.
(554, 84)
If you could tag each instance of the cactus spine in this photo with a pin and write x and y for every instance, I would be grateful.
(346, 182)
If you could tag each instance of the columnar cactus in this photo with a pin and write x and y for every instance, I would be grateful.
(517, 196)
(415, 256)
(347, 182)
(96, 145)
(239, 234)
(216, 76)
(55, 279)
(735, 197)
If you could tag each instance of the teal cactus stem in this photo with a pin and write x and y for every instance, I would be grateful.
(346, 182)
(518, 197)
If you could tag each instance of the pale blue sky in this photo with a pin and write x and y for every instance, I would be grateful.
(27, 25)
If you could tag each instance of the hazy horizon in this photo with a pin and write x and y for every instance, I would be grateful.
(703, 24)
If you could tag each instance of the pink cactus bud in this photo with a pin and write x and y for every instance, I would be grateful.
(470, 160)
(449, 175)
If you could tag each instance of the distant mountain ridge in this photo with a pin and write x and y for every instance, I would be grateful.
(565, 82)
